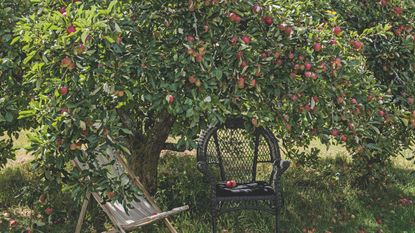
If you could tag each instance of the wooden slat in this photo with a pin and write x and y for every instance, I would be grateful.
(108, 212)
(155, 217)
(145, 193)
(82, 214)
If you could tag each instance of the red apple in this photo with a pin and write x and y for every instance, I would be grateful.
(351, 126)
(413, 123)
(244, 64)
(256, 8)
(65, 62)
(63, 110)
(63, 90)
(246, 39)
(340, 99)
(337, 30)
(241, 82)
(308, 74)
(119, 40)
(323, 67)
(357, 45)
(267, 20)
(12, 222)
(288, 31)
(293, 75)
(317, 47)
(369, 98)
(239, 54)
(62, 10)
(333, 42)
(254, 122)
(381, 113)
(410, 100)
(291, 55)
(234, 39)
(383, 2)
(308, 66)
(48, 211)
(230, 184)
(354, 101)
(315, 99)
(334, 132)
(294, 98)
(308, 108)
(277, 55)
(398, 10)
(192, 79)
(199, 57)
(71, 29)
(190, 38)
(170, 99)
(234, 17)
(110, 195)
(343, 138)
(253, 82)
(80, 48)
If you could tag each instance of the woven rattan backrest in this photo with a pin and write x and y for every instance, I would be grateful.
(234, 152)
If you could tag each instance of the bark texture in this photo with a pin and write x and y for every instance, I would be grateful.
(146, 150)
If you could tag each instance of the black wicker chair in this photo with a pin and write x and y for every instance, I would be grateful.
(230, 152)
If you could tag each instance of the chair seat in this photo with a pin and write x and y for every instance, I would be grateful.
(258, 188)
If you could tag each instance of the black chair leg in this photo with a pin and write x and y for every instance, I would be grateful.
(277, 216)
(214, 217)
(214, 214)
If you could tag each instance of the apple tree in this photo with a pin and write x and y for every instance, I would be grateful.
(391, 58)
(123, 76)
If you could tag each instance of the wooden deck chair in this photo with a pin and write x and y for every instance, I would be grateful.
(144, 211)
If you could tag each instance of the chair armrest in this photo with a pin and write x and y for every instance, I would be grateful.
(279, 169)
(204, 169)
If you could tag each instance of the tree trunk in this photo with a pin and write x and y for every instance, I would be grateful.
(146, 153)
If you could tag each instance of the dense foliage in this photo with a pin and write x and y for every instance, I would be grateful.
(122, 75)
(13, 93)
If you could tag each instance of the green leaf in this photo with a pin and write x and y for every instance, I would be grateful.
(8, 117)
(117, 28)
(84, 35)
(127, 131)
(29, 56)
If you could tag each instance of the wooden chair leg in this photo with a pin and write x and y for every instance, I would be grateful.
(169, 225)
(82, 214)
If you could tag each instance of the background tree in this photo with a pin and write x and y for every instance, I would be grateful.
(14, 95)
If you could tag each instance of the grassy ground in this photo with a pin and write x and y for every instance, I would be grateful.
(319, 199)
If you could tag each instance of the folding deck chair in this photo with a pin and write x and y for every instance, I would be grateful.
(144, 211)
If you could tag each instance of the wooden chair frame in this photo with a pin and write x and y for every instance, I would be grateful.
(124, 228)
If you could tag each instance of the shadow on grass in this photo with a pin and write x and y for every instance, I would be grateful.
(317, 199)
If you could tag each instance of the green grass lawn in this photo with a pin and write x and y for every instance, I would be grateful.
(318, 199)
